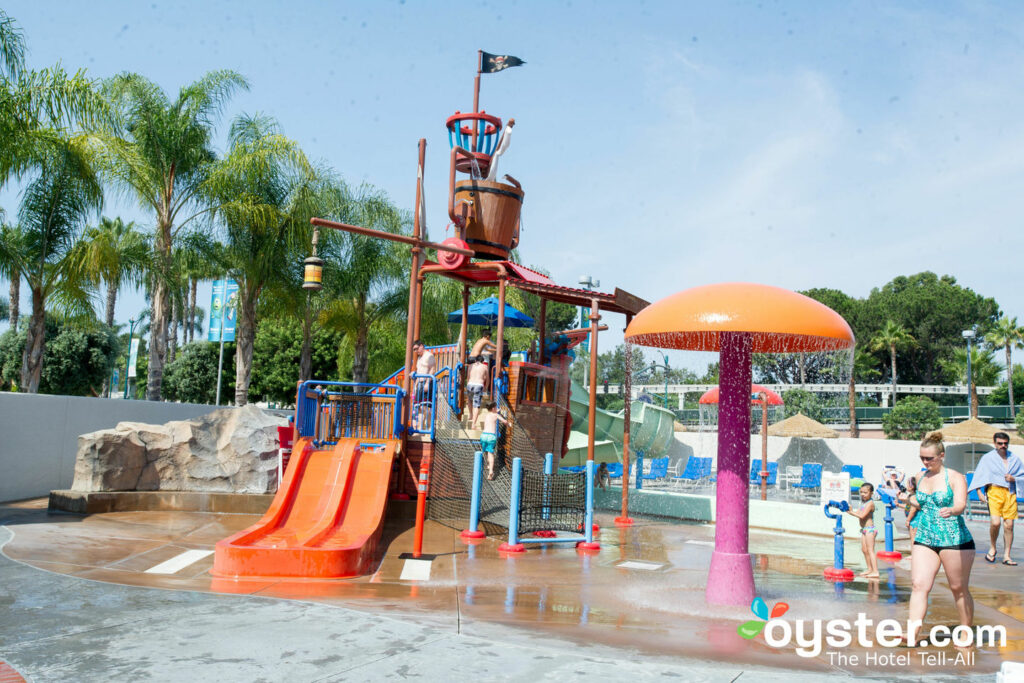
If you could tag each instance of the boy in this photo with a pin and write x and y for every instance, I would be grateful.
(866, 514)
(475, 382)
(604, 478)
(489, 439)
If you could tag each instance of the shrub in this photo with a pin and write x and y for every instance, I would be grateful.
(911, 418)
(805, 402)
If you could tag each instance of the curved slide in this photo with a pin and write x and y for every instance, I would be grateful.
(326, 519)
(650, 430)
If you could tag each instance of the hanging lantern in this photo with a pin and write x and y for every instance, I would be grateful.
(313, 268)
(313, 274)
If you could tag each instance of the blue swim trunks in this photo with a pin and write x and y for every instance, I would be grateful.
(488, 441)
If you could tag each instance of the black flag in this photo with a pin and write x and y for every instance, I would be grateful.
(490, 64)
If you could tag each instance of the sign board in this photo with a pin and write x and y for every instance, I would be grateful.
(585, 323)
(835, 486)
(115, 384)
(223, 300)
(133, 357)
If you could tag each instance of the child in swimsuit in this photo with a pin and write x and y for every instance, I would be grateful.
(489, 438)
(866, 515)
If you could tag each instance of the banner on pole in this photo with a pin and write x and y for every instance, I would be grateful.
(133, 357)
(223, 299)
(584, 323)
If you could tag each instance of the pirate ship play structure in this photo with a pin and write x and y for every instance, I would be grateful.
(358, 446)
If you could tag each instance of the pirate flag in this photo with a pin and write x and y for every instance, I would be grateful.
(490, 64)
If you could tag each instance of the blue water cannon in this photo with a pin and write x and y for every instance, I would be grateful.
(889, 553)
(837, 572)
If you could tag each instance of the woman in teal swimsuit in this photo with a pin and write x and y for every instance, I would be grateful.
(942, 537)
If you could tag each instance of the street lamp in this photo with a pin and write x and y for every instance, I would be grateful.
(657, 366)
(968, 335)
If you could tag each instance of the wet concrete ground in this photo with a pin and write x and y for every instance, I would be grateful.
(634, 610)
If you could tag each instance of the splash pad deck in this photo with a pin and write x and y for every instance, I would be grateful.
(642, 594)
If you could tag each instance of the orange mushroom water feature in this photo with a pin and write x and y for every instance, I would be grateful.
(737, 319)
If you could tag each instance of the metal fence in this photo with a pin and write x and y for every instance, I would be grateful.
(329, 411)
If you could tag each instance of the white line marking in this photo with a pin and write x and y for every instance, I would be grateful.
(710, 544)
(416, 570)
(179, 562)
(633, 564)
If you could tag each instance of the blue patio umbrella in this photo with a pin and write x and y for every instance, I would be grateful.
(485, 312)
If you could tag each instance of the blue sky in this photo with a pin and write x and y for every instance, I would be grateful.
(661, 145)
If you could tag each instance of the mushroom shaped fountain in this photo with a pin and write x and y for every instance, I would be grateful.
(737, 319)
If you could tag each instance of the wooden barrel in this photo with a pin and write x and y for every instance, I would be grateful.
(493, 226)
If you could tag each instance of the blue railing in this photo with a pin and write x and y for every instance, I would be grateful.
(329, 411)
(424, 404)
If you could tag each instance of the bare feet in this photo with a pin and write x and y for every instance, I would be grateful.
(872, 575)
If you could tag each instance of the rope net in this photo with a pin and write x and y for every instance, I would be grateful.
(555, 502)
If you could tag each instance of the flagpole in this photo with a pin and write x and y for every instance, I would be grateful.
(476, 94)
(220, 357)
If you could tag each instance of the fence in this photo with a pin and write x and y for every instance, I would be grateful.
(329, 411)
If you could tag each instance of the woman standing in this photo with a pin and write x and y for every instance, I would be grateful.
(942, 536)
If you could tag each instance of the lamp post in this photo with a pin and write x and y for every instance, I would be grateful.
(128, 356)
(969, 335)
(659, 366)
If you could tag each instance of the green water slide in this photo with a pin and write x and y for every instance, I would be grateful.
(650, 430)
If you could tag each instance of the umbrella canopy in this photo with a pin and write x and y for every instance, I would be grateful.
(802, 426)
(485, 312)
(974, 431)
(711, 396)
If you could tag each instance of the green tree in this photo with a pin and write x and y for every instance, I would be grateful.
(160, 152)
(1007, 335)
(12, 241)
(911, 418)
(1001, 394)
(801, 401)
(53, 210)
(277, 353)
(12, 46)
(892, 338)
(984, 370)
(192, 377)
(115, 253)
(79, 359)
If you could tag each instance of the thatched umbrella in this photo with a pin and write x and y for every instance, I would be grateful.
(802, 426)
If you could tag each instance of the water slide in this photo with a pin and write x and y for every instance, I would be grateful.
(326, 519)
(650, 430)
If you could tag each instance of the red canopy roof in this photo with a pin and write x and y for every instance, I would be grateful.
(773, 398)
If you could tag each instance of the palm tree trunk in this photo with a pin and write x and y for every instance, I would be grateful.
(803, 370)
(361, 355)
(111, 299)
(974, 399)
(15, 293)
(306, 356)
(158, 332)
(1009, 382)
(32, 358)
(245, 333)
(193, 286)
(892, 359)
(172, 335)
(854, 430)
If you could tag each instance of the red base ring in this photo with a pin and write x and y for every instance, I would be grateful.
(467, 534)
(623, 521)
(545, 533)
(584, 547)
(891, 556)
(506, 548)
(842, 574)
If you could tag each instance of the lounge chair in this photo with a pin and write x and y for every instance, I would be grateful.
(856, 472)
(692, 473)
(658, 471)
(810, 480)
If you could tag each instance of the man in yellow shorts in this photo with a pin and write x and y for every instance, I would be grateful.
(995, 479)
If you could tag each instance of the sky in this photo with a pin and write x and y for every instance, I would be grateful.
(661, 145)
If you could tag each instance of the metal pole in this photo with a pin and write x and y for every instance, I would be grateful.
(625, 519)
(498, 352)
(665, 356)
(549, 470)
(970, 397)
(474, 504)
(220, 358)
(764, 445)
(592, 408)
(542, 329)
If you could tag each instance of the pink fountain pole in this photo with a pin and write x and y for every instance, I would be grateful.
(731, 578)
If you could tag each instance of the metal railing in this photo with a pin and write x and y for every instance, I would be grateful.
(424, 403)
(329, 411)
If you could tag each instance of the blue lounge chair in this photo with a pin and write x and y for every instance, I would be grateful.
(755, 472)
(659, 470)
(810, 478)
(856, 472)
(615, 470)
(692, 473)
(705, 468)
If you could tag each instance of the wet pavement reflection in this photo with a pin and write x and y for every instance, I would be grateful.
(643, 592)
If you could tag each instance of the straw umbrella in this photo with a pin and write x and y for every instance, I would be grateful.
(737, 319)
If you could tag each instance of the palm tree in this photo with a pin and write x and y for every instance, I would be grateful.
(12, 46)
(198, 257)
(984, 370)
(257, 186)
(891, 337)
(373, 282)
(116, 253)
(1007, 335)
(160, 152)
(53, 210)
(863, 367)
(11, 242)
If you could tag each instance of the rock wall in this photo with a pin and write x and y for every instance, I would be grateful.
(228, 451)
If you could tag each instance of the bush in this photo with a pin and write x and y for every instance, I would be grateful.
(192, 377)
(805, 402)
(911, 418)
(76, 361)
(1020, 422)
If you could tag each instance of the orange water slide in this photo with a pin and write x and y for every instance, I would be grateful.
(326, 519)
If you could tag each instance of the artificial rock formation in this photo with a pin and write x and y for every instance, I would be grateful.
(231, 450)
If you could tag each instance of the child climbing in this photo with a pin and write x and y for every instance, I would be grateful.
(489, 438)
(866, 514)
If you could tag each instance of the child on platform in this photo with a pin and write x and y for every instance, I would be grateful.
(475, 384)
(866, 514)
(489, 438)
